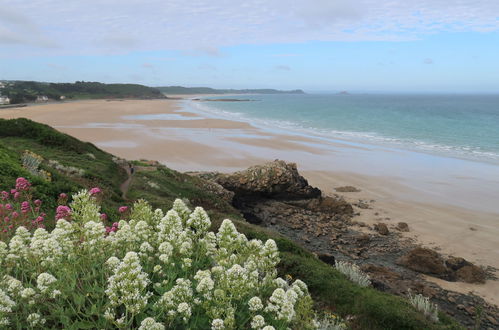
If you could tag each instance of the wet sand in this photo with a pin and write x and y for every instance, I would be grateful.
(449, 204)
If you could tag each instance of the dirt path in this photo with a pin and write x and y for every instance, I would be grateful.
(126, 184)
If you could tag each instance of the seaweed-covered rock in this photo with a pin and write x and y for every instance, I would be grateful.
(425, 261)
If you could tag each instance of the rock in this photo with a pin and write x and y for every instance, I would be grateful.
(470, 310)
(218, 190)
(330, 205)
(381, 228)
(465, 271)
(492, 320)
(327, 258)
(425, 261)
(362, 205)
(347, 189)
(384, 279)
(363, 239)
(402, 226)
(277, 179)
(471, 274)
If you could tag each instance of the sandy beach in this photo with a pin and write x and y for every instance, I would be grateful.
(449, 204)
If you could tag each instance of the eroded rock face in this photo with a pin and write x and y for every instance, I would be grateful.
(277, 179)
(381, 228)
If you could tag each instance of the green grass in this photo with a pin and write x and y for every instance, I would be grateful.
(331, 290)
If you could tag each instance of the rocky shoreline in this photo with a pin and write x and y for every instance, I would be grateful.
(276, 196)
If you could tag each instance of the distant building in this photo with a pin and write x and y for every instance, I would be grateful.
(42, 98)
(2, 85)
(62, 97)
(4, 100)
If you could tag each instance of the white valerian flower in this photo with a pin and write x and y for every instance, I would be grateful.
(268, 327)
(257, 322)
(112, 262)
(128, 285)
(84, 208)
(93, 233)
(181, 209)
(13, 285)
(109, 315)
(44, 281)
(184, 310)
(35, 319)
(19, 244)
(205, 283)
(3, 251)
(255, 304)
(217, 324)
(282, 304)
(199, 221)
(150, 324)
(171, 300)
(6, 304)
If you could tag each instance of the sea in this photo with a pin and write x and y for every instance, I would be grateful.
(460, 126)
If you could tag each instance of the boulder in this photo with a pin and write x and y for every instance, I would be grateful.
(471, 274)
(425, 261)
(347, 189)
(402, 226)
(277, 179)
(381, 228)
(330, 205)
(327, 258)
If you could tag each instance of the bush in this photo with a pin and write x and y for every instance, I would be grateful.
(424, 305)
(156, 270)
(353, 273)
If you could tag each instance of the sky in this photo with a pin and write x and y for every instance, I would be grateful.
(315, 45)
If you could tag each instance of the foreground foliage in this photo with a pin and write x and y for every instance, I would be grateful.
(155, 270)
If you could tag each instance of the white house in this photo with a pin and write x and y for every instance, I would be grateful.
(4, 100)
(41, 98)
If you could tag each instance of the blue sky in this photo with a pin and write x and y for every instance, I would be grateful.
(316, 45)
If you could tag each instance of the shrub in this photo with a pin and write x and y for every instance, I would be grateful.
(424, 305)
(157, 270)
(353, 273)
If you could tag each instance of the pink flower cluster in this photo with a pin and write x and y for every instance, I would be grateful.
(94, 191)
(18, 209)
(22, 184)
(113, 228)
(63, 212)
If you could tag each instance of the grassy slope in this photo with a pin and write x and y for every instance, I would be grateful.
(330, 289)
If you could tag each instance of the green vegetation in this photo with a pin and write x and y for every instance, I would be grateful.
(331, 290)
(174, 90)
(28, 91)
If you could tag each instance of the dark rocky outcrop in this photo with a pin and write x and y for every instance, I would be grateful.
(277, 180)
(347, 189)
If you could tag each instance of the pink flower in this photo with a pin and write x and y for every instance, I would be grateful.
(116, 224)
(17, 194)
(14, 215)
(38, 202)
(103, 216)
(95, 191)
(6, 219)
(123, 209)
(25, 207)
(9, 207)
(63, 196)
(39, 219)
(22, 184)
(62, 212)
(5, 195)
(13, 191)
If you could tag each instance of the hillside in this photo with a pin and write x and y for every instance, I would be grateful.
(29, 91)
(82, 165)
(179, 90)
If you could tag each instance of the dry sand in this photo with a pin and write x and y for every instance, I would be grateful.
(187, 141)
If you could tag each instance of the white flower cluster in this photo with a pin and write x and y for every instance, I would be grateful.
(128, 285)
(168, 267)
(353, 273)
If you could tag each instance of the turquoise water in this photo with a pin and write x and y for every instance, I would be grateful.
(463, 126)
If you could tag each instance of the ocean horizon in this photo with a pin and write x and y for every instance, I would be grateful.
(457, 126)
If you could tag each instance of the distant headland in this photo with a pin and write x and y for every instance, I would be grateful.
(179, 90)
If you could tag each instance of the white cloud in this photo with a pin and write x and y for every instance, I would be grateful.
(201, 27)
